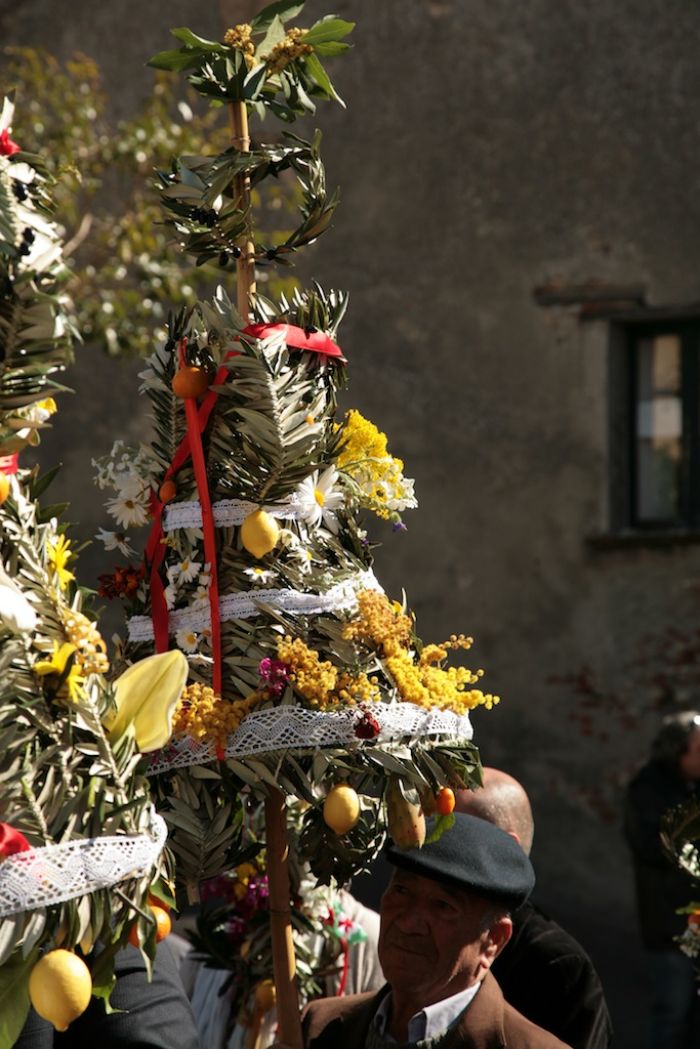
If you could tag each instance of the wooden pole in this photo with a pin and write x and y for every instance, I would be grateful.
(284, 963)
(245, 265)
(280, 920)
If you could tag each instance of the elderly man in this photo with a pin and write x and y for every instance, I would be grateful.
(444, 919)
(544, 972)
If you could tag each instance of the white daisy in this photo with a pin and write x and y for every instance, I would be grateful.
(318, 498)
(185, 571)
(129, 511)
(259, 575)
(115, 541)
(186, 640)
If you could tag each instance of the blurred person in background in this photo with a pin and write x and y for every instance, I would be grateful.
(671, 777)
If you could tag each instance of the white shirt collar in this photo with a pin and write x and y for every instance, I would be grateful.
(433, 1020)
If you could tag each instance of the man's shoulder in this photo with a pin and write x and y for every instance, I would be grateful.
(490, 1016)
(348, 1009)
(536, 931)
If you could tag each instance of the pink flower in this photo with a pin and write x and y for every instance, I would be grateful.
(274, 675)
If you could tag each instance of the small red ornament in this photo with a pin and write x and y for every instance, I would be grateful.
(7, 146)
(367, 727)
(11, 841)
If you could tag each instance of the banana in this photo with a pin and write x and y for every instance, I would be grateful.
(405, 821)
(145, 696)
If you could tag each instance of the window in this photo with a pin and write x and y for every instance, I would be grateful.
(662, 424)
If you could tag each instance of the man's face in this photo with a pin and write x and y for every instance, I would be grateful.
(690, 761)
(431, 941)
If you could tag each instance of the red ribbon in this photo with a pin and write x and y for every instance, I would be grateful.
(7, 146)
(191, 447)
(11, 841)
(9, 464)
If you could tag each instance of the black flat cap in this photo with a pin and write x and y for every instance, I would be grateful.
(474, 855)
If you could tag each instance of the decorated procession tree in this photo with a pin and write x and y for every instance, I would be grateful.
(80, 841)
(306, 681)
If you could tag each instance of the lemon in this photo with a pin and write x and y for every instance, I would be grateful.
(265, 995)
(60, 987)
(341, 809)
(259, 533)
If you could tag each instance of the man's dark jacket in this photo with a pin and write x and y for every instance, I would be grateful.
(548, 977)
(488, 1023)
(661, 886)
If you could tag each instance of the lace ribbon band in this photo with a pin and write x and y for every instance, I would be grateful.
(247, 603)
(295, 728)
(227, 513)
(55, 873)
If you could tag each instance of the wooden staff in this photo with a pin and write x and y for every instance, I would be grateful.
(284, 963)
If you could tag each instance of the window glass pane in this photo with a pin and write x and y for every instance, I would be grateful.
(658, 427)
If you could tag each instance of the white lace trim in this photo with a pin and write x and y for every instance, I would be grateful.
(295, 728)
(246, 603)
(227, 512)
(55, 873)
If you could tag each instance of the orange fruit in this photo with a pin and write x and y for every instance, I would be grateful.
(4, 487)
(694, 918)
(163, 925)
(190, 381)
(167, 491)
(445, 801)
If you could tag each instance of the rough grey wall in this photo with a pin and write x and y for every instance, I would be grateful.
(489, 146)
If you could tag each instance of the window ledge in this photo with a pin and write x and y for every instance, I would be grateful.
(663, 538)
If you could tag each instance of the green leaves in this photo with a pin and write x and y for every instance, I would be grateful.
(14, 996)
(284, 10)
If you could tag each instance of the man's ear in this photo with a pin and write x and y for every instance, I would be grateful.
(495, 939)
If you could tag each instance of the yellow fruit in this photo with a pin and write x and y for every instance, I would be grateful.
(405, 821)
(341, 809)
(4, 487)
(60, 987)
(265, 995)
(259, 533)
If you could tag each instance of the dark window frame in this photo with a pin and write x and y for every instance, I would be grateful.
(622, 374)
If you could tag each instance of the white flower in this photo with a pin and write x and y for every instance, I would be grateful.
(16, 613)
(185, 571)
(259, 575)
(186, 640)
(128, 511)
(318, 498)
(170, 595)
(115, 541)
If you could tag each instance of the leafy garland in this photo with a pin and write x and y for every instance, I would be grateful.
(63, 778)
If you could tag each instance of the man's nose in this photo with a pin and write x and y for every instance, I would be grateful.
(413, 919)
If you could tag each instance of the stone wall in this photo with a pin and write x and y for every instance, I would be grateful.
(489, 148)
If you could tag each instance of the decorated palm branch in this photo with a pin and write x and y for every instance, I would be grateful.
(80, 841)
(306, 680)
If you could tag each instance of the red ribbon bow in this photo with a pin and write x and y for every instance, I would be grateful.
(11, 841)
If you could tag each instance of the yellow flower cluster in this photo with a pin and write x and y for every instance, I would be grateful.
(365, 458)
(202, 714)
(357, 688)
(243, 874)
(432, 686)
(240, 37)
(437, 653)
(311, 676)
(380, 622)
(288, 50)
(91, 651)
